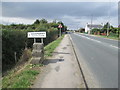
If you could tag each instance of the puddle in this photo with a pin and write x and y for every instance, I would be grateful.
(57, 68)
(64, 48)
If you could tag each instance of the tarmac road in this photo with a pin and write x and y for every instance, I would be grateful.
(98, 58)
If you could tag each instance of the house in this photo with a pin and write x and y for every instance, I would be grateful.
(89, 27)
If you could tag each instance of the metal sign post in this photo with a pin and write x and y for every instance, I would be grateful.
(15, 57)
(34, 40)
(60, 26)
(41, 40)
(60, 32)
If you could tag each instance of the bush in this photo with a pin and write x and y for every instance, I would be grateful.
(12, 41)
(93, 31)
(114, 35)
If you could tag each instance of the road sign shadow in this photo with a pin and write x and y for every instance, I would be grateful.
(60, 53)
(49, 61)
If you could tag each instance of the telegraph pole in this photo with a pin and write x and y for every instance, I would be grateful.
(91, 24)
(108, 26)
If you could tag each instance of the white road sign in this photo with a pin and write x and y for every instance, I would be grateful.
(36, 34)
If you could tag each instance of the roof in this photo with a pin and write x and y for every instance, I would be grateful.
(94, 26)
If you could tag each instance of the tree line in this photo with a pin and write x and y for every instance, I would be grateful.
(107, 28)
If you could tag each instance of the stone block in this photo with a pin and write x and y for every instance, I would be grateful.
(38, 46)
(36, 60)
(36, 53)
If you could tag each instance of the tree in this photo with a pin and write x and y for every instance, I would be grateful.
(82, 30)
(43, 21)
(37, 22)
(64, 28)
(106, 25)
(53, 24)
(95, 31)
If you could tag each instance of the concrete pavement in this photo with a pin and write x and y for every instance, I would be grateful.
(61, 70)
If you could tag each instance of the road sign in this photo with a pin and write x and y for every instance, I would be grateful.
(60, 26)
(36, 34)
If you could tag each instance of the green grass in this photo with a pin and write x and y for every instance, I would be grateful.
(25, 77)
(110, 37)
(51, 47)
(114, 37)
(21, 79)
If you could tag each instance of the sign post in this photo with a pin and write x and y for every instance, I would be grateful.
(34, 40)
(60, 26)
(37, 35)
(41, 40)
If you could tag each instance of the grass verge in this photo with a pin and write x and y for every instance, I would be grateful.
(21, 79)
(51, 47)
(109, 37)
(25, 77)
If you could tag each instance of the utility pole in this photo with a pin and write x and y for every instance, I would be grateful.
(91, 24)
(108, 26)
(119, 20)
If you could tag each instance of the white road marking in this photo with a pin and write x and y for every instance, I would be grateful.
(114, 46)
(70, 37)
(99, 37)
(106, 44)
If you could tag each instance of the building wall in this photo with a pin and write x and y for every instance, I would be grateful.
(86, 29)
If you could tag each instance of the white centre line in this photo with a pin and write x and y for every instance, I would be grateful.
(106, 44)
(114, 46)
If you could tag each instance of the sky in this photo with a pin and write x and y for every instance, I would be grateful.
(73, 14)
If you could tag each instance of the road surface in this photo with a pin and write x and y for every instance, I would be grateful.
(98, 58)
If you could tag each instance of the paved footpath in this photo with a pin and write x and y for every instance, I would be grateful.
(61, 70)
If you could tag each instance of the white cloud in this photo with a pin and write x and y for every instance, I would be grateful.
(60, 0)
(113, 20)
(17, 20)
(75, 23)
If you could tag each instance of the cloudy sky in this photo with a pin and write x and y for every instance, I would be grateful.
(74, 14)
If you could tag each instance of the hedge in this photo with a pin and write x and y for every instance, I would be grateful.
(16, 41)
